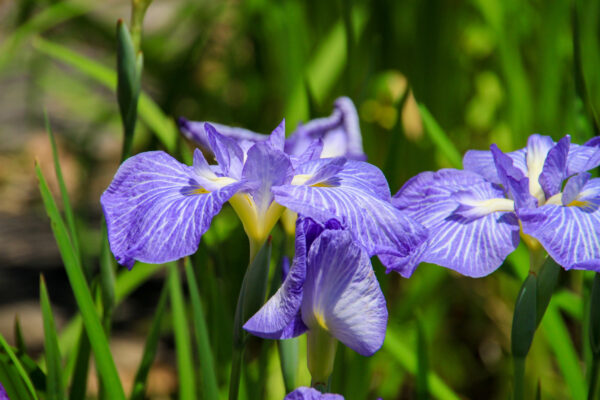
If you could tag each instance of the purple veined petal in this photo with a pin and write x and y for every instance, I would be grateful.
(324, 173)
(195, 131)
(342, 295)
(3, 394)
(228, 153)
(312, 152)
(583, 158)
(267, 167)
(482, 162)
(555, 165)
(281, 310)
(374, 223)
(157, 209)
(277, 137)
(578, 244)
(307, 393)
(513, 180)
(537, 149)
(471, 246)
(573, 187)
(340, 133)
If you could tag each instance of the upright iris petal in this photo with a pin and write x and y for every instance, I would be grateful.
(357, 194)
(475, 215)
(331, 287)
(306, 393)
(333, 136)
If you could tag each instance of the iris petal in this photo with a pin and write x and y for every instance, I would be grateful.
(482, 163)
(342, 295)
(473, 247)
(228, 153)
(578, 244)
(157, 209)
(195, 131)
(513, 180)
(553, 172)
(583, 158)
(306, 393)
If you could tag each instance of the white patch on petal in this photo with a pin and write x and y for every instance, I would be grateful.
(473, 208)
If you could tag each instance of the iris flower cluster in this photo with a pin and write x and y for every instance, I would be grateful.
(542, 194)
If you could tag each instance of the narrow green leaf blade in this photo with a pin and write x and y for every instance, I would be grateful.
(439, 138)
(81, 369)
(183, 347)
(54, 380)
(524, 318)
(9, 376)
(19, 338)
(422, 364)
(104, 361)
(205, 357)
(139, 383)
(546, 283)
(19, 367)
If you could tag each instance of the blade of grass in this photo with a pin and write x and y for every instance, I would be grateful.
(82, 365)
(149, 112)
(54, 382)
(139, 383)
(205, 357)
(15, 387)
(566, 356)
(183, 347)
(19, 367)
(104, 361)
(439, 138)
(422, 363)
(68, 210)
(19, 338)
(406, 357)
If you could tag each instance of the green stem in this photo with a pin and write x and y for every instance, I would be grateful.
(519, 381)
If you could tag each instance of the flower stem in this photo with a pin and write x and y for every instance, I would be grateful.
(236, 369)
(593, 389)
(519, 380)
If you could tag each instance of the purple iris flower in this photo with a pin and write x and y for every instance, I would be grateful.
(339, 134)
(542, 193)
(4, 395)
(330, 288)
(306, 393)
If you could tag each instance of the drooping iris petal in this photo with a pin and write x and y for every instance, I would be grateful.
(482, 163)
(157, 209)
(339, 132)
(474, 246)
(571, 234)
(342, 295)
(360, 200)
(228, 153)
(583, 158)
(515, 184)
(553, 171)
(306, 393)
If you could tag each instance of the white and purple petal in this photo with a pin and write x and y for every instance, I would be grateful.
(227, 151)
(475, 245)
(196, 132)
(341, 293)
(554, 170)
(307, 393)
(157, 209)
(482, 163)
(515, 183)
(584, 157)
(577, 244)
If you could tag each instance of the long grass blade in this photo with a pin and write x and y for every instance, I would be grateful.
(81, 369)
(19, 338)
(205, 357)
(183, 346)
(439, 138)
(19, 367)
(104, 361)
(54, 381)
(141, 376)
(9, 376)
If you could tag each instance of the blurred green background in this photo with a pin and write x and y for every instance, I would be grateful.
(486, 71)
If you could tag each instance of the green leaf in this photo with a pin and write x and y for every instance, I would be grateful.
(566, 356)
(139, 383)
(81, 369)
(183, 347)
(439, 138)
(546, 283)
(406, 357)
(595, 316)
(54, 380)
(524, 318)
(104, 361)
(205, 357)
(22, 374)
(68, 210)
(162, 126)
(15, 387)
(288, 356)
(19, 338)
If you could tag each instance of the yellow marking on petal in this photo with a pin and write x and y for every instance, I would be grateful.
(321, 184)
(579, 203)
(301, 179)
(200, 190)
(320, 318)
